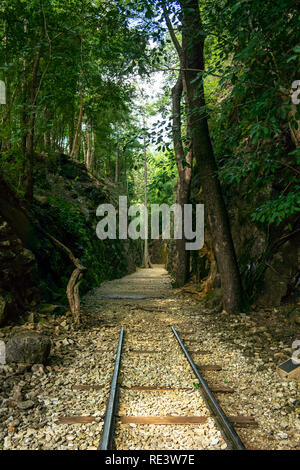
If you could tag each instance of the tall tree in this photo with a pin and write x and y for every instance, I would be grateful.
(184, 167)
(191, 57)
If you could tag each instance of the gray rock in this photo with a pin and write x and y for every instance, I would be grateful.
(25, 405)
(38, 368)
(29, 347)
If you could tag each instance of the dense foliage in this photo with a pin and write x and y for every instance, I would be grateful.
(60, 60)
(256, 54)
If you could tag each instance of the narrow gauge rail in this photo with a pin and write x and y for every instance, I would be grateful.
(229, 433)
(106, 442)
(222, 421)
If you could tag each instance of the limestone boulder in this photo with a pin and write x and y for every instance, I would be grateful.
(28, 347)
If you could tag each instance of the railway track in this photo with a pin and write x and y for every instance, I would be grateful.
(158, 405)
(224, 423)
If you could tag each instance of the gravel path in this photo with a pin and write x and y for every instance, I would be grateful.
(33, 400)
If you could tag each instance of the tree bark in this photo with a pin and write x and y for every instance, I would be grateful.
(206, 168)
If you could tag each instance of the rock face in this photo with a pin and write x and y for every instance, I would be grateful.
(18, 286)
(30, 348)
(270, 268)
(280, 274)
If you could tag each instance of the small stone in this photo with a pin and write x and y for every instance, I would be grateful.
(17, 395)
(7, 442)
(282, 435)
(25, 405)
(214, 442)
(38, 368)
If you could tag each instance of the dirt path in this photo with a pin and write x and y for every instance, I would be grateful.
(145, 304)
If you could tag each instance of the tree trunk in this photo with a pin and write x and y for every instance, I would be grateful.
(83, 150)
(117, 157)
(88, 147)
(108, 165)
(78, 128)
(206, 168)
(184, 173)
(79, 148)
(71, 130)
(146, 262)
(31, 126)
(93, 150)
(23, 120)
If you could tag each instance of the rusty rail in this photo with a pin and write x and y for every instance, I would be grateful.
(229, 433)
(106, 442)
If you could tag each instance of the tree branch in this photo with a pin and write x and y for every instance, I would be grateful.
(172, 32)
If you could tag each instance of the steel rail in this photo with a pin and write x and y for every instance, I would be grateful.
(106, 442)
(227, 429)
